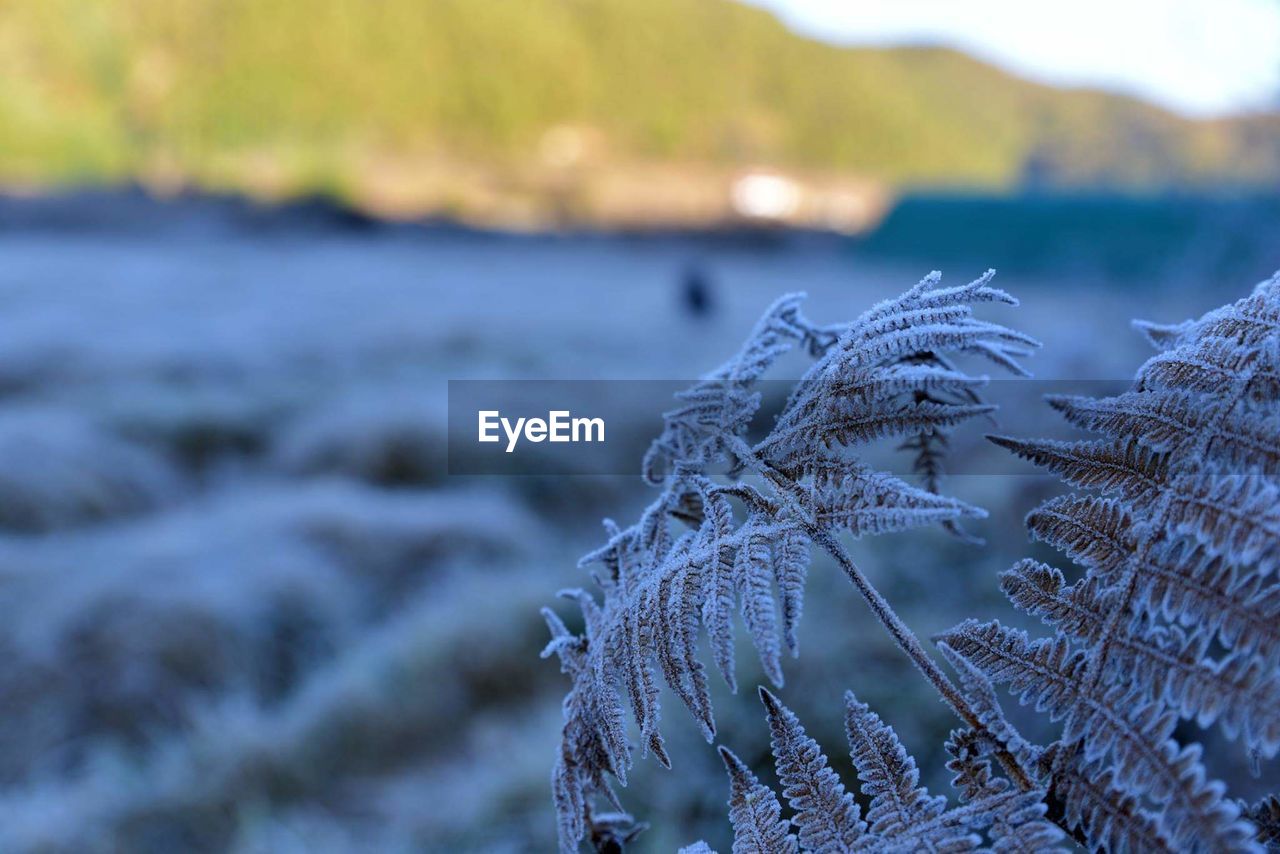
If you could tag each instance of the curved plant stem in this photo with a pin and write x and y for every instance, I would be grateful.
(900, 631)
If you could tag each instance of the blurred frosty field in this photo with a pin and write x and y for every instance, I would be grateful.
(242, 606)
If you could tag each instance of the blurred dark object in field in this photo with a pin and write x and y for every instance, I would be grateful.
(1164, 239)
(696, 291)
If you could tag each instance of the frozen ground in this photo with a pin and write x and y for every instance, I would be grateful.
(243, 607)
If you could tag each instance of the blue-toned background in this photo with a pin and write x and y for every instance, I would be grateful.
(244, 247)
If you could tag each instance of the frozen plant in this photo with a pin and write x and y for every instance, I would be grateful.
(1176, 612)
(1176, 615)
(901, 815)
(708, 544)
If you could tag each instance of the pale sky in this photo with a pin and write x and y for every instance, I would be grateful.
(1200, 57)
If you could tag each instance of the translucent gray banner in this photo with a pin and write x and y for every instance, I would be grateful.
(602, 427)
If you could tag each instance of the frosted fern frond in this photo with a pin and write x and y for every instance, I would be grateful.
(866, 385)
(1114, 725)
(1110, 817)
(970, 765)
(985, 703)
(902, 815)
(754, 811)
(1180, 582)
(825, 814)
(705, 548)
(723, 403)
(887, 772)
(698, 847)
(1161, 336)
(1177, 613)
(929, 448)
(1173, 421)
(791, 560)
(1227, 512)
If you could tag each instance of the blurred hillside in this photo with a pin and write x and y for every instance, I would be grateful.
(511, 112)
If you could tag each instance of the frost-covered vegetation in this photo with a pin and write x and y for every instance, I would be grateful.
(1177, 612)
(244, 608)
(1174, 616)
(887, 374)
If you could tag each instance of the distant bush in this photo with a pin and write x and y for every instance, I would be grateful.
(61, 471)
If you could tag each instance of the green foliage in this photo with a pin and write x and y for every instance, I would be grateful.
(216, 91)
